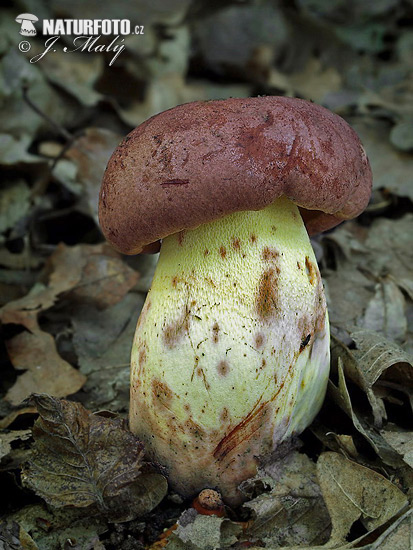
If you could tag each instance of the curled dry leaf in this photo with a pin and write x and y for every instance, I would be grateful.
(341, 396)
(371, 366)
(26, 260)
(81, 460)
(375, 355)
(354, 492)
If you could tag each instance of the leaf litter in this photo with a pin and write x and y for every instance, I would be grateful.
(353, 492)
(92, 274)
(69, 304)
(82, 459)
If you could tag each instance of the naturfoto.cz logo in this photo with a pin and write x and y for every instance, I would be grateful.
(87, 34)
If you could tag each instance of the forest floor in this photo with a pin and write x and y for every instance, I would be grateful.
(69, 303)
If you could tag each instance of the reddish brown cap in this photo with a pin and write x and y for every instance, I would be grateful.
(201, 161)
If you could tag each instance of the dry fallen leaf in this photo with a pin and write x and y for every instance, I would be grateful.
(390, 250)
(35, 353)
(81, 459)
(354, 492)
(381, 361)
(292, 512)
(97, 274)
(51, 528)
(92, 274)
(314, 82)
(14, 204)
(102, 341)
(398, 536)
(385, 313)
(199, 532)
(392, 169)
(353, 57)
(24, 311)
(172, 89)
(90, 153)
(377, 356)
(7, 438)
(76, 74)
(400, 440)
(374, 361)
(341, 396)
(14, 537)
(11, 417)
(372, 271)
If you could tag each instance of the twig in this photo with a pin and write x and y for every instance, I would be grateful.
(62, 131)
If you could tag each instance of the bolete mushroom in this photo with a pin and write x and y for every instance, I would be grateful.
(231, 351)
(26, 20)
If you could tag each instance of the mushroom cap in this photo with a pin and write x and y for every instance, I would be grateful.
(26, 17)
(200, 161)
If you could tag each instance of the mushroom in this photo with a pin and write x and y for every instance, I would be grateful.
(27, 27)
(231, 351)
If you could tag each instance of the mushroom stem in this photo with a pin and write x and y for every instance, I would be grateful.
(231, 352)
